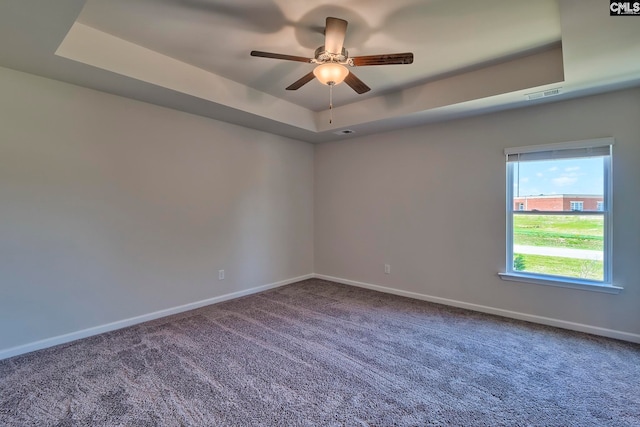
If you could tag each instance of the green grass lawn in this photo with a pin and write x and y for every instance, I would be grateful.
(568, 267)
(560, 231)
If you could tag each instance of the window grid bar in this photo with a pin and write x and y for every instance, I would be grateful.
(574, 213)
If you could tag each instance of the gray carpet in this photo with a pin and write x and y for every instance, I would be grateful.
(323, 354)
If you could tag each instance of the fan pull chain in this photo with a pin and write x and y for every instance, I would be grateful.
(330, 103)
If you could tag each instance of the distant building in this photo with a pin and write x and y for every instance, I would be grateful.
(559, 202)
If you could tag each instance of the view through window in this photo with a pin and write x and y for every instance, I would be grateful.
(558, 213)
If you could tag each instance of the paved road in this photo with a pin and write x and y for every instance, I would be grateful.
(559, 252)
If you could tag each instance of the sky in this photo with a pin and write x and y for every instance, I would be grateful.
(566, 176)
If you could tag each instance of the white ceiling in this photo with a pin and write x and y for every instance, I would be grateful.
(470, 56)
(217, 36)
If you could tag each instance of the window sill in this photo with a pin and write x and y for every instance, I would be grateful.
(582, 285)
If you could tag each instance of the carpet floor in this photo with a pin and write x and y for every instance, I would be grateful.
(317, 353)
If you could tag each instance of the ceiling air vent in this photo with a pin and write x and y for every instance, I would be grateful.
(543, 94)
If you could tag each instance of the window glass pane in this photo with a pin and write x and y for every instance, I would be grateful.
(560, 245)
(559, 185)
(576, 205)
(559, 213)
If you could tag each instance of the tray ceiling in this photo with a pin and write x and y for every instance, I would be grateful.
(193, 55)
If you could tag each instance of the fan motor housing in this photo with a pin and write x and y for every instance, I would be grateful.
(322, 56)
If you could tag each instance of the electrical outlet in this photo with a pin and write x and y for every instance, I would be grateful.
(220, 274)
(387, 269)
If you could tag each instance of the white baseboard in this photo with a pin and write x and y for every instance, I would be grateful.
(72, 336)
(595, 330)
(62, 339)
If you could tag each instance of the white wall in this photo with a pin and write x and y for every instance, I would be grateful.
(430, 201)
(111, 208)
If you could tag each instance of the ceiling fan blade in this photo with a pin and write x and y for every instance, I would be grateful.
(386, 59)
(280, 56)
(334, 33)
(301, 82)
(356, 84)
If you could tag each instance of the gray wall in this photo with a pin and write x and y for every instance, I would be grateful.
(430, 201)
(111, 208)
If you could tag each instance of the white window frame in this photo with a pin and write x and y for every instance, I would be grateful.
(600, 206)
(520, 206)
(564, 150)
(573, 204)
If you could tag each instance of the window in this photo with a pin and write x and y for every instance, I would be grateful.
(576, 206)
(550, 241)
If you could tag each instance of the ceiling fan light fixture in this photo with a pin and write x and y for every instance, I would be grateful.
(331, 73)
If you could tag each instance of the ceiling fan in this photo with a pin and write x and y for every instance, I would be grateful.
(332, 59)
